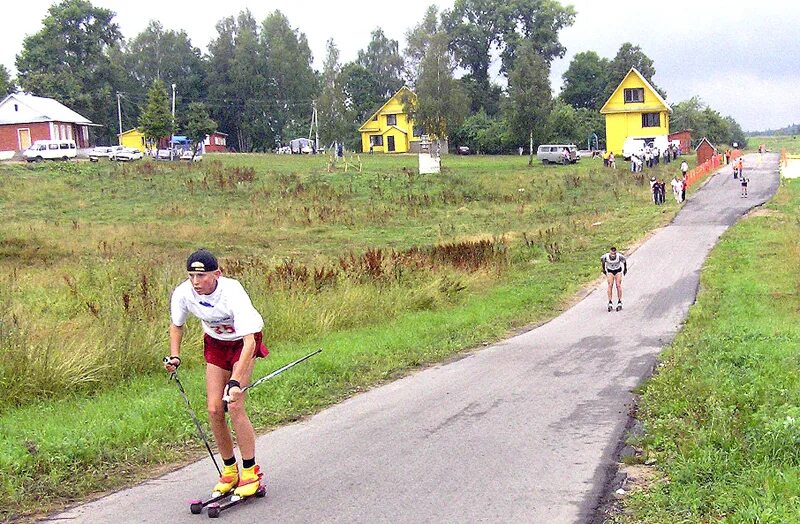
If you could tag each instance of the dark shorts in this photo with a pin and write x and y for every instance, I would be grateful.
(614, 271)
(225, 353)
(744, 183)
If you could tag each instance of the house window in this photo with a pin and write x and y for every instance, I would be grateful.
(375, 140)
(651, 120)
(16, 107)
(418, 131)
(634, 95)
(391, 120)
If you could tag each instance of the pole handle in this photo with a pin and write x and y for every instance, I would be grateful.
(275, 373)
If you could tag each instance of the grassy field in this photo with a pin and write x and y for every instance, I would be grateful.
(722, 413)
(385, 269)
(775, 143)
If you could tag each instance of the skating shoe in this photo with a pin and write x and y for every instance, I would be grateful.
(249, 482)
(610, 307)
(228, 479)
(619, 306)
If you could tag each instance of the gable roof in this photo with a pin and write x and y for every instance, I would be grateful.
(707, 142)
(376, 113)
(38, 109)
(648, 85)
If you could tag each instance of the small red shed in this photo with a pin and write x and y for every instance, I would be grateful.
(216, 142)
(705, 150)
(685, 139)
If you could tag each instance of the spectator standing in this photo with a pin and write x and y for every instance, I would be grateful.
(684, 168)
(684, 185)
(654, 189)
(662, 191)
(612, 162)
(676, 188)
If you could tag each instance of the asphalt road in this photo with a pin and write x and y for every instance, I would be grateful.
(522, 431)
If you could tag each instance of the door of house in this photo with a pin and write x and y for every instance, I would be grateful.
(390, 144)
(24, 138)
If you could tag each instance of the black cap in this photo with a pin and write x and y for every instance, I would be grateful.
(201, 261)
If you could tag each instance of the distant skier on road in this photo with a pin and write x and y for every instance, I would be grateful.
(613, 264)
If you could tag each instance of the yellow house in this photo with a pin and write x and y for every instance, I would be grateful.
(635, 109)
(132, 138)
(390, 129)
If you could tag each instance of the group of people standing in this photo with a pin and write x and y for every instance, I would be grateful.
(679, 185)
(652, 156)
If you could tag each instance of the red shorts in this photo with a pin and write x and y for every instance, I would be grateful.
(225, 353)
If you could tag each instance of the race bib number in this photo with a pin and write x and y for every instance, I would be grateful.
(224, 329)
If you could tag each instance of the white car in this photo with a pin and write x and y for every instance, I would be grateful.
(189, 155)
(103, 152)
(126, 155)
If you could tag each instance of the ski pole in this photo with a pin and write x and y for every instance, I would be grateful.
(194, 417)
(271, 375)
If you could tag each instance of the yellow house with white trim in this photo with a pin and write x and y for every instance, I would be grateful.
(390, 129)
(133, 138)
(635, 109)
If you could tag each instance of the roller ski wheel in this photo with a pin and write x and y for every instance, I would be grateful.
(610, 308)
(216, 508)
(196, 506)
(619, 307)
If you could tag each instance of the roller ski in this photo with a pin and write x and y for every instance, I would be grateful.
(224, 489)
(619, 306)
(610, 307)
(249, 485)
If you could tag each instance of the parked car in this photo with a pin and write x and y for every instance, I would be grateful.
(463, 150)
(163, 154)
(283, 150)
(127, 154)
(554, 153)
(189, 155)
(301, 146)
(50, 150)
(103, 152)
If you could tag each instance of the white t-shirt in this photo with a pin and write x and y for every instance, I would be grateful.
(615, 263)
(225, 314)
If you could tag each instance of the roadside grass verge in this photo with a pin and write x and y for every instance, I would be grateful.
(722, 413)
(90, 254)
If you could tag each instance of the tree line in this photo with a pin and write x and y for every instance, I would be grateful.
(256, 81)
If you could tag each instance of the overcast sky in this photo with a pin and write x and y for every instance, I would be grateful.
(742, 59)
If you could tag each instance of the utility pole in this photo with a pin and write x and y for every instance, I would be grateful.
(119, 116)
(314, 125)
(171, 146)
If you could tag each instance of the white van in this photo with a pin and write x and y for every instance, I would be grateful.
(50, 150)
(637, 144)
(554, 153)
(632, 146)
